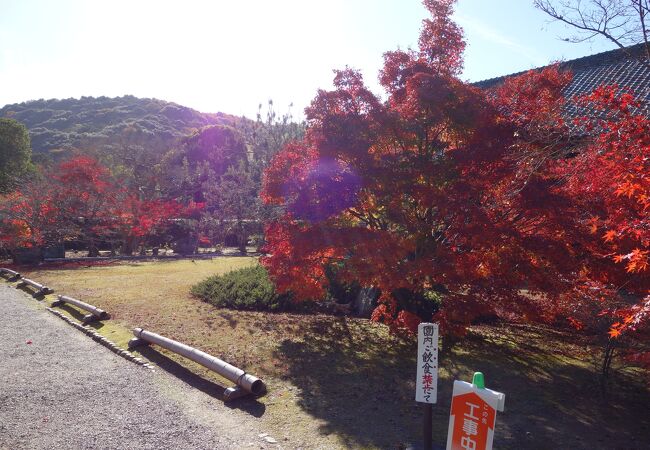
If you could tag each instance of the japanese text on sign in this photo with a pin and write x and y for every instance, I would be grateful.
(473, 417)
(426, 385)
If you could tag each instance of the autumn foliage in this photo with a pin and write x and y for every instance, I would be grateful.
(514, 203)
(82, 201)
(609, 180)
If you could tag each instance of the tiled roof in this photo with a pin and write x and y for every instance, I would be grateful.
(620, 66)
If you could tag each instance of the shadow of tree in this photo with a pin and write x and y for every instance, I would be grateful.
(351, 381)
(360, 383)
(553, 395)
(229, 317)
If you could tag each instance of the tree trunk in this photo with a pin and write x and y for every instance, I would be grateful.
(243, 238)
(366, 301)
(242, 244)
(608, 355)
(127, 247)
(93, 251)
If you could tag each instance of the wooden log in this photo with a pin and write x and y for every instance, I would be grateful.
(244, 381)
(41, 288)
(13, 275)
(95, 312)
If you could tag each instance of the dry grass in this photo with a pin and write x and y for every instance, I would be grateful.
(342, 382)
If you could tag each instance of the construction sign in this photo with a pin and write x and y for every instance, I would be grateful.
(426, 383)
(473, 415)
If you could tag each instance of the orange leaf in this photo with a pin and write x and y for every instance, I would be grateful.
(614, 333)
(609, 236)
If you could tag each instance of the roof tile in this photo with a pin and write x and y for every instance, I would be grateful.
(622, 67)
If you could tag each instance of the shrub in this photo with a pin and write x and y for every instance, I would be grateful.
(248, 288)
(425, 304)
(339, 291)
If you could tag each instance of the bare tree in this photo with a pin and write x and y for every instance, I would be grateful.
(623, 22)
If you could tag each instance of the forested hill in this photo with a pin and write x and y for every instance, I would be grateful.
(102, 124)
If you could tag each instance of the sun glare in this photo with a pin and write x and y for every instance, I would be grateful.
(209, 55)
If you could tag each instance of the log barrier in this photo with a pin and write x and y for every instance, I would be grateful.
(95, 312)
(245, 382)
(41, 289)
(13, 275)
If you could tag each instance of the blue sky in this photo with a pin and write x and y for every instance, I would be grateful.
(229, 56)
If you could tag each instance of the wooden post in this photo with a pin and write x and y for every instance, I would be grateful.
(426, 383)
(428, 426)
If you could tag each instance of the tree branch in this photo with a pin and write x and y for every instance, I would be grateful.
(622, 22)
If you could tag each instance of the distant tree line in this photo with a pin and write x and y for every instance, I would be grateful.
(139, 190)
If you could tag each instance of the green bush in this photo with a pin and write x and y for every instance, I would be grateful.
(424, 304)
(338, 291)
(249, 288)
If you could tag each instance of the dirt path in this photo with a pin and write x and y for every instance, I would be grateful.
(61, 390)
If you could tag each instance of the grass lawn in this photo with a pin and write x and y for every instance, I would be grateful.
(345, 382)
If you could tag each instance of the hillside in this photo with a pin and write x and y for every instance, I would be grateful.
(102, 124)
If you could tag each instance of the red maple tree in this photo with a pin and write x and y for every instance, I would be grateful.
(478, 196)
(82, 201)
(147, 222)
(29, 217)
(414, 193)
(609, 181)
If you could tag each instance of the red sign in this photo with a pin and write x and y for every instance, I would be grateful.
(473, 416)
(472, 419)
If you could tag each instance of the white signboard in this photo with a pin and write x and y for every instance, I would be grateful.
(426, 384)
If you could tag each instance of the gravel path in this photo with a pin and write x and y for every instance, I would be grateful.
(61, 390)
